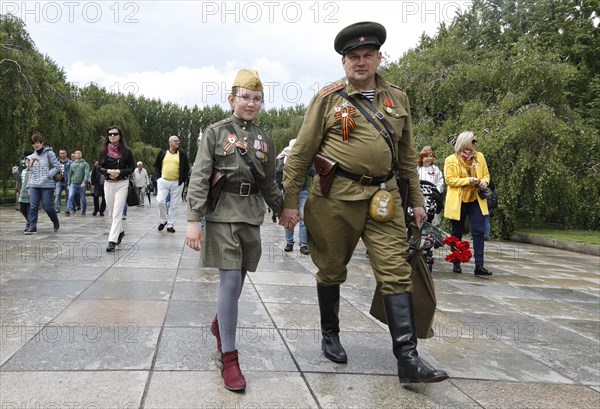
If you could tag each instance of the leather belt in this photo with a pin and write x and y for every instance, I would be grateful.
(242, 189)
(363, 179)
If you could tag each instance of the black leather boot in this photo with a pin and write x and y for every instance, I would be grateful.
(329, 305)
(401, 321)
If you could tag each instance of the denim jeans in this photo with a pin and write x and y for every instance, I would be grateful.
(289, 234)
(60, 187)
(477, 222)
(73, 188)
(44, 195)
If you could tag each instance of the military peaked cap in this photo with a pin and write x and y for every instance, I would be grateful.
(359, 34)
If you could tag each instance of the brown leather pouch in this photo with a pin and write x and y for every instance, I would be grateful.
(325, 168)
(216, 182)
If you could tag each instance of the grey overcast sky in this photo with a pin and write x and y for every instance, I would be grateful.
(188, 52)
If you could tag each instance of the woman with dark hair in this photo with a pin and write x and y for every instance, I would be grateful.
(116, 163)
(43, 165)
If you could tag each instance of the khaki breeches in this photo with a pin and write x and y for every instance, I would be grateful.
(334, 228)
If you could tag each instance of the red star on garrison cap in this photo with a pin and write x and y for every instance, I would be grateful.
(362, 39)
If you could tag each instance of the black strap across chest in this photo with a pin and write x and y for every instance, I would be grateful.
(388, 129)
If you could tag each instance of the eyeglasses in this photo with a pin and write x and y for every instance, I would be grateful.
(474, 141)
(247, 99)
(113, 134)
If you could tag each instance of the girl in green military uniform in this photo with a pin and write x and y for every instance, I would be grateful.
(231, 242)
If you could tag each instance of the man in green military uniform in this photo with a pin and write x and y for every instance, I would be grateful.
(231, 242)
(368, 149)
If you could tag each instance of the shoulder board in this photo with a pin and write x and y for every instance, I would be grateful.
(263, 130)
(221, 122)
(395, 86)
(331, 88)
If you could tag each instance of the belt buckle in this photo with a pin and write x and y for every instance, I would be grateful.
(365, 180)
(245, 189)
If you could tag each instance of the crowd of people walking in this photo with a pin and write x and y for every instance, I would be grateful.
(339, 182)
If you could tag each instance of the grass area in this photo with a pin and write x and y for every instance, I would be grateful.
(7, 196)
(10, 192)
(552, 232)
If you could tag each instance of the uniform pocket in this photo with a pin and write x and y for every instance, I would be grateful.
(396, 116)
(226, 159)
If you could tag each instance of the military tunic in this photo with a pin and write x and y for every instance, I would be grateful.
(336, 222)
(236, 217)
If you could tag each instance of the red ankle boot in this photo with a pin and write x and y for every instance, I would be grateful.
(230, 371)
(214, 328)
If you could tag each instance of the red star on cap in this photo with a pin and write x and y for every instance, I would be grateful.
(362, 39)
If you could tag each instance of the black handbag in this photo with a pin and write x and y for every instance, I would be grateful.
(132, 197)
(489, 195)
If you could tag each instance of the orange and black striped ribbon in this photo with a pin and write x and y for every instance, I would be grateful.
(345, 117)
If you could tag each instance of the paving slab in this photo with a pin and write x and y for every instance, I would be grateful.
(529, 395)
(82, 389)
(128, 312)
(132, 328)
(203, 389)
(361, 391)
(88, 347)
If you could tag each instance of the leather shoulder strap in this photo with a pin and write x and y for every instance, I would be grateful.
(244, 153)
(385, 132)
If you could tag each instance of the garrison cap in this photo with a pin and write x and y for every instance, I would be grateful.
(359, 34)
(248, 79)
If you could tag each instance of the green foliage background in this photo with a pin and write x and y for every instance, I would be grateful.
(524, 75)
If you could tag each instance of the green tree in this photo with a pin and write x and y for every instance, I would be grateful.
(522, 75)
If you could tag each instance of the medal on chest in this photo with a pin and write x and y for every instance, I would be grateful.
(389, 105)
(261, 149)
(344, 114)
(231, 140)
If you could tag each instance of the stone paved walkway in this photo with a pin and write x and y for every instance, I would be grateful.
(81, 328)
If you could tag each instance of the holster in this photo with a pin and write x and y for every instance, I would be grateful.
(216, 183)
(325, 168)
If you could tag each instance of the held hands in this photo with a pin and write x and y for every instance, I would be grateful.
(113, 173)
(289, 218)
(193, 236)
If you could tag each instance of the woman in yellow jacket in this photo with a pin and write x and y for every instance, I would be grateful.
(466, 171)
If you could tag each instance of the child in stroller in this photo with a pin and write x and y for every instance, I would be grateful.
(434, 204)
